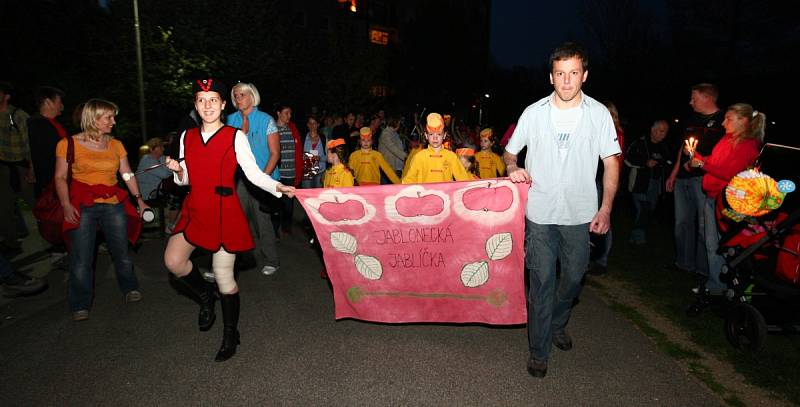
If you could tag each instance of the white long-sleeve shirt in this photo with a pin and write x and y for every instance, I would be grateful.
(245, 158)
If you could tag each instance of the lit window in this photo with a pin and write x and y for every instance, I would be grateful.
(378, 37)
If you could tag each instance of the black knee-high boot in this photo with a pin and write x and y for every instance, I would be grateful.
(230, 319)
(204, 291)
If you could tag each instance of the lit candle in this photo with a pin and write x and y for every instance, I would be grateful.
(691, 145)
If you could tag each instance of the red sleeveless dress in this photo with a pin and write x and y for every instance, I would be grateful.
(211, 216)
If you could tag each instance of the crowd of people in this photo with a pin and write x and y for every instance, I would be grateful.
(243, 169)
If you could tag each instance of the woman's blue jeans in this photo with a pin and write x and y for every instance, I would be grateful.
(111, 219)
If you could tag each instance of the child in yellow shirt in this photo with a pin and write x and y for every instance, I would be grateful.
(467, 158)
(367, 163)
(337, 175)
(490, 164)
(435, 163)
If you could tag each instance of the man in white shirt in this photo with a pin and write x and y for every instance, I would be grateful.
(564, 133)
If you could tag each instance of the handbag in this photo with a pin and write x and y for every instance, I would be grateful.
(48, 211)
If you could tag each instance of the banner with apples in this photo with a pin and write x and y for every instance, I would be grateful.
(444, 252)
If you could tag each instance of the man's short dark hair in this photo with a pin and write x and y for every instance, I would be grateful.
(46, 92)
(6, 88)
(394, 120)
(707, 89)
(569, 50)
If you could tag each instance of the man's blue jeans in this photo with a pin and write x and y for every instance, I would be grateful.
(715, 261)
(550, 298)
(645, 204)
(690, 248)
(113, 222)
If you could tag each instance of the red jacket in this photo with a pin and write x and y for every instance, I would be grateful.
(85, 194)
(727, 159)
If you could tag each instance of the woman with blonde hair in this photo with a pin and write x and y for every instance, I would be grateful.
(94, 199)
(736, 151)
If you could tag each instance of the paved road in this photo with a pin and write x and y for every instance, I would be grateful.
(293, 352)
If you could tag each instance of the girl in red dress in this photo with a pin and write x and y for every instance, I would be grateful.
(211, 217)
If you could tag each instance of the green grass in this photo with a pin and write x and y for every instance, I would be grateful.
(662, 341)
(776, 368)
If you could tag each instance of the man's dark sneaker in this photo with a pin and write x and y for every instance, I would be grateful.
(19, 284)
(562, 341)
(675, 267)
(702, 300)
(537, 368)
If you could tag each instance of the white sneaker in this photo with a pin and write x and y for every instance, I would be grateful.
(269, 270)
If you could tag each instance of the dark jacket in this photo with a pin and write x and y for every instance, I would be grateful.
(636, 157)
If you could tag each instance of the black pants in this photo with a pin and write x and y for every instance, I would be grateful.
(286, 210)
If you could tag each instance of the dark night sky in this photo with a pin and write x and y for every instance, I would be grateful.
(524, 32)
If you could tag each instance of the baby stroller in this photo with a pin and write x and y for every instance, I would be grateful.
(762, 257)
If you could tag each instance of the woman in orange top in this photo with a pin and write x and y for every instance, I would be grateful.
(94, 199)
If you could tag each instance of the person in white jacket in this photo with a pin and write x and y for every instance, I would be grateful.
(391, 145)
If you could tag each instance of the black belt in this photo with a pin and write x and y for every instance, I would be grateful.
(223, 191)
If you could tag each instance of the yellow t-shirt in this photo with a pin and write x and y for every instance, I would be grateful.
(490, 164)
(431, 166)
(337, 176)
(367, 166)
(95, 167)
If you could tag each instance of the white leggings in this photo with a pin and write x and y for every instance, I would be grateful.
(222, 265)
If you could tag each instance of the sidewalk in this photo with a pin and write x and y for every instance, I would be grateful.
(294, 353)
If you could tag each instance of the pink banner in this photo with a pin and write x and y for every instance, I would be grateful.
(445, 252)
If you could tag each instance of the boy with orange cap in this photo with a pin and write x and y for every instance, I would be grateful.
(367, 163)
(435, 163)
(489, 163)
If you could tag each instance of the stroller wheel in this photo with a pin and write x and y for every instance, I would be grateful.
(745, 328)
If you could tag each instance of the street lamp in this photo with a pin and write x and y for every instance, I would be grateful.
(140, 69)
(481, 99)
